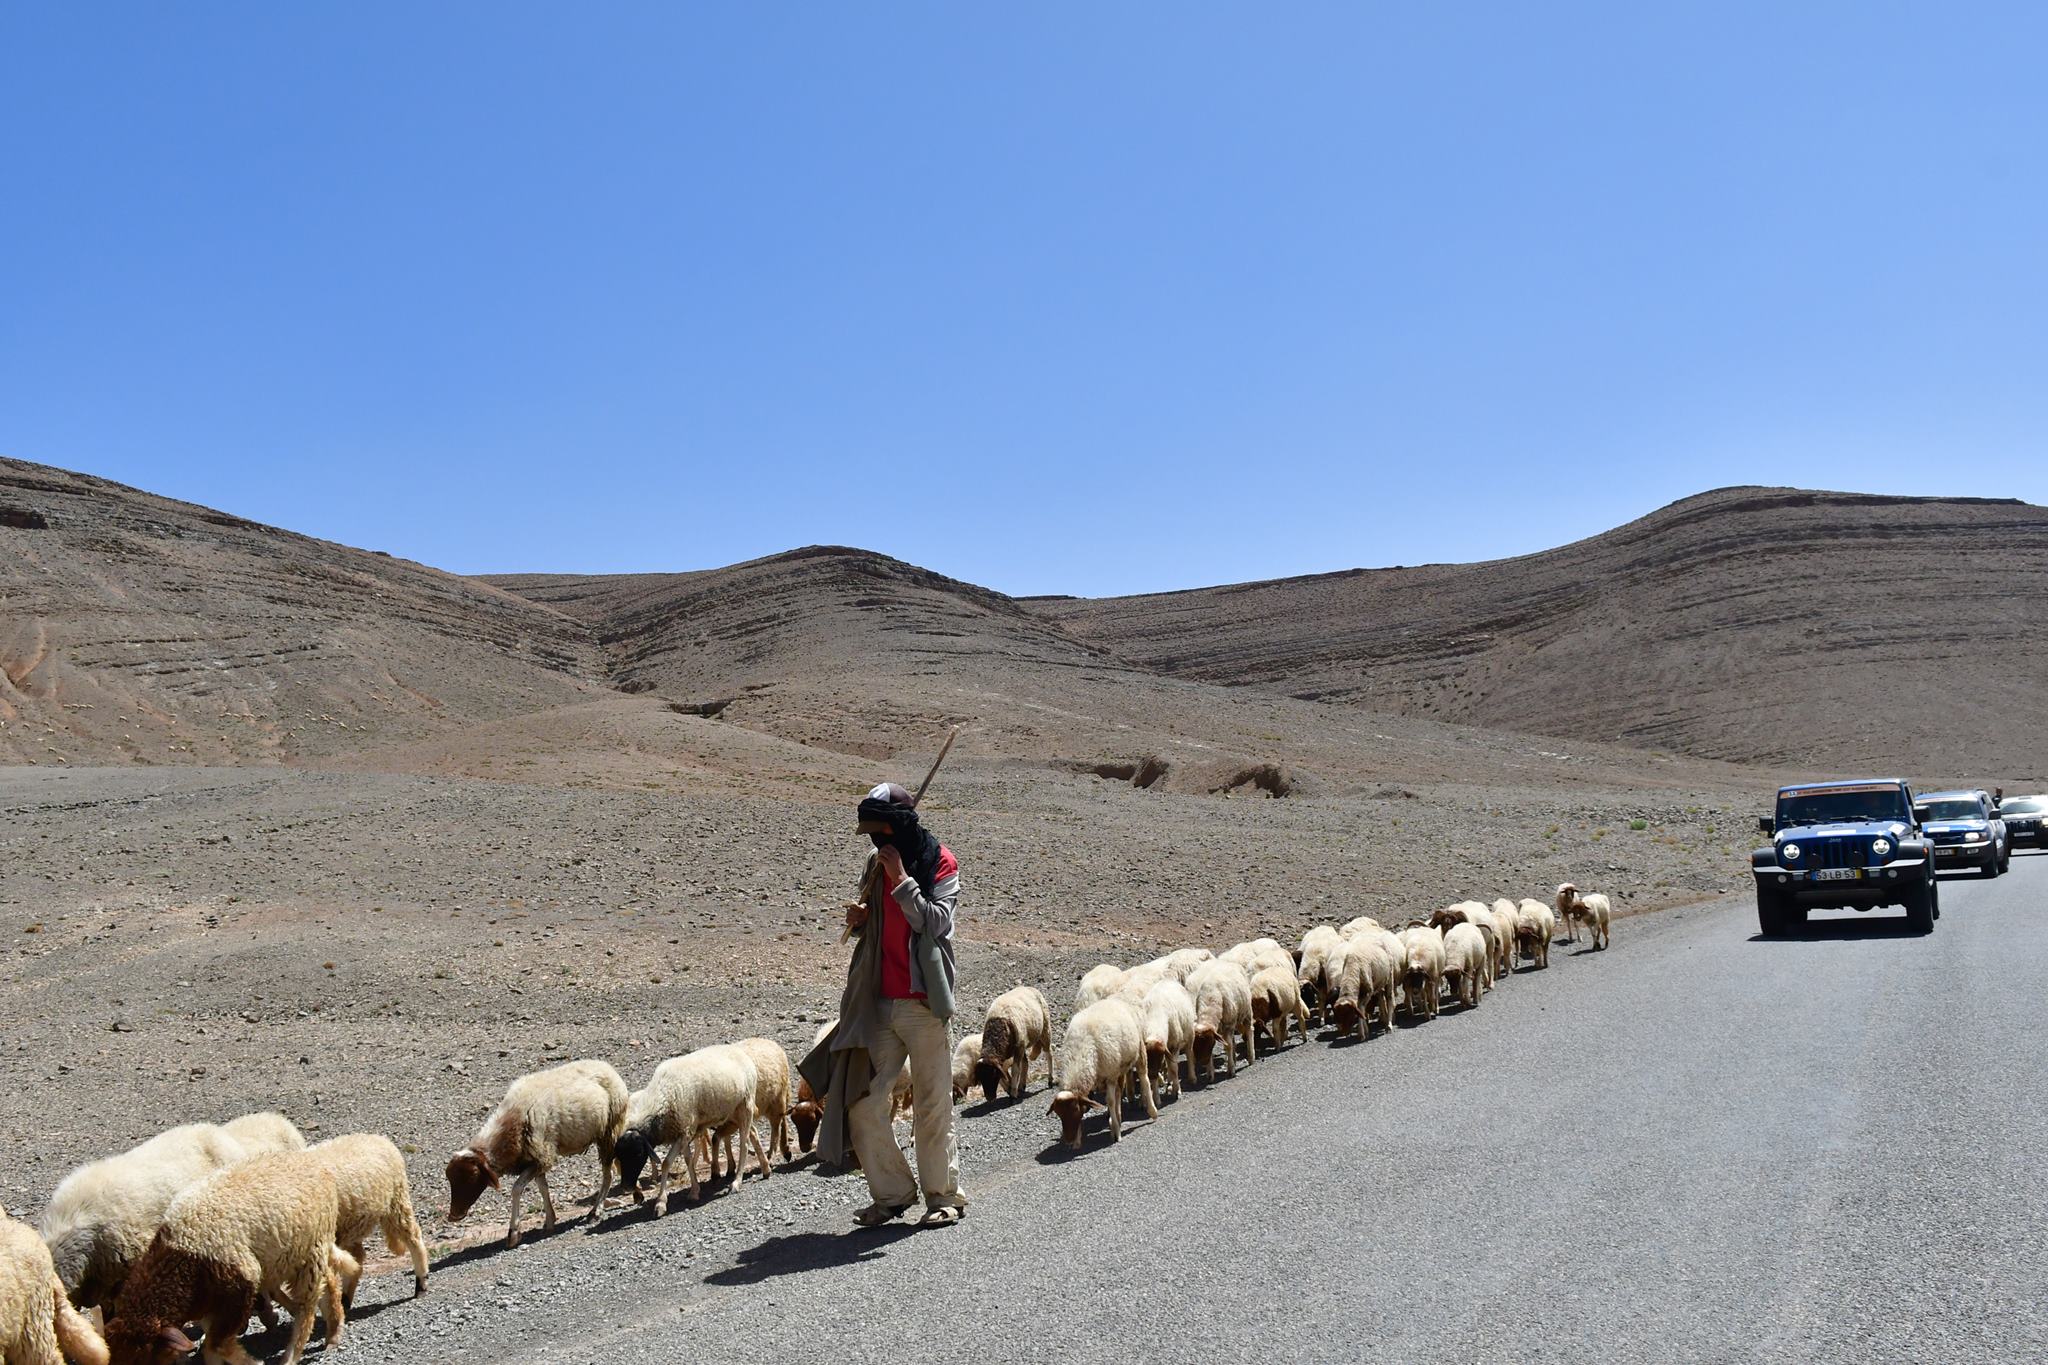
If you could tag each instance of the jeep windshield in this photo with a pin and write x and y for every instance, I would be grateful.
(1842, 806)
(1954, 809)
(2025, 805)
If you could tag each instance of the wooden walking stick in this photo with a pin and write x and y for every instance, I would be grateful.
(870, 881)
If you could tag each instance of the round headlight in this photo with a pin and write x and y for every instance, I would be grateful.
(1791, 852)
(1880, 846)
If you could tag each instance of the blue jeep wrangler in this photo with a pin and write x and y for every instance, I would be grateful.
(1844, 846)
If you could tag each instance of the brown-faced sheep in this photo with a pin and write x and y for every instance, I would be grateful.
(543, 1118)
(1104, 1046)
(264, 1227)
(1589, 908)
(1018, 1028)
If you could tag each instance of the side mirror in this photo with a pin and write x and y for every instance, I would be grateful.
(1998, 812)
(1766, 824)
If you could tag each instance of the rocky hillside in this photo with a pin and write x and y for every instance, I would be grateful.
(136, 629)
(1802, 630)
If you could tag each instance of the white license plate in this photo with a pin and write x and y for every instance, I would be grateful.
(1837, 874)
(1948, 852)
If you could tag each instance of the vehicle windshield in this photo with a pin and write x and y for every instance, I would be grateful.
(2024, 805)
(1855, 805)
(1958, 808)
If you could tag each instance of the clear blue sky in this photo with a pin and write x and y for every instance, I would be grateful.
(1054, 298)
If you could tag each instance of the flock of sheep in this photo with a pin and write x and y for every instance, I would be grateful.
(210, 1223)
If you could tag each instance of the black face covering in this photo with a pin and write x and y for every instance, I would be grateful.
(920, 851)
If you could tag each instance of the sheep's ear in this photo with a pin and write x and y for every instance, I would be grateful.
(1092, 1103)
(492, 1176)
(173, 1339)
(1053, 1108)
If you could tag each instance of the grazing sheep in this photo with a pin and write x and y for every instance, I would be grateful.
(1182, 961)
(1466, 955)
(1367, 968)
(1243, 954)
(1357, 926)
(102, 1216)
(544, 1117)
(772, 1073)
(1223, 1011)
(373, 1196)
(1104, 1045)
(1098, 983)
(966, 1057)
(1018, 1028)
(1534, 928)
(709, 1091)
(266, 1132)
(809, 1111)
(1422, 972)
(1591, 909)
(1276, 1004)
(1462, 912)
(1505, 930)
(38, 1325)
(1268, 959)
(264, 1227)
(1312, 967)
(1170, 1033)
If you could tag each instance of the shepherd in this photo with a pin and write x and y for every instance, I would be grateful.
(898, 999)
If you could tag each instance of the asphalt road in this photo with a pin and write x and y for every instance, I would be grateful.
(1696, 1146)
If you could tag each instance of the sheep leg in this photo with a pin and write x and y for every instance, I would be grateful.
(301, 1305)
(1151, 1101)
(1229, 1057)
(690, 1168)
(1251, 1043)
(342, 1268)
(407, 1228)
(687, 1145)
(547, 1199)
(518, 1193)
(1113, 1091)
(760, 1154)
(1020, 1074)
(604, 1182)
(1048, 1066)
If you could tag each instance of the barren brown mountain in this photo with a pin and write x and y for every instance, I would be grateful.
(137, 629)
(1770, 625)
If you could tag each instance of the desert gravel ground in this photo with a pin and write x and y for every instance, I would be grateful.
(370, 951)
(1699, 1145)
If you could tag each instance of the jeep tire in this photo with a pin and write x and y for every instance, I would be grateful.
(1920, 907)
(1774, 917)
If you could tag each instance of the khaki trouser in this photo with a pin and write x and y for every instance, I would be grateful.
(909, 1030)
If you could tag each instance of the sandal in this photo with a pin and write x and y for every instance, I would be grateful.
(879, 1215)
(945, 1215)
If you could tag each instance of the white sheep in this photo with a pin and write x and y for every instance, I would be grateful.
(1422, 973)
(372, 1195)
(1367, 967)
(1017, 1028)
(102, 1216)
(1355, 926)
(263, 1227)
(1243, 954)
(1590, 908)
(1182, 961)
(772, 1076)
(1104, 1045)
(1506, 921)
(1098, 983)
(1276, 1004)
(1535, 926)
(1466, 956)
(1312, 967)
(1223, 1012)
(709, 1091)
(544, 1118)
(1170, 1033)
(265, 1132)
(966, 1057)
(38, 1325)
